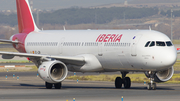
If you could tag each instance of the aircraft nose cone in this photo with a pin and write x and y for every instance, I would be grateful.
(170, 57)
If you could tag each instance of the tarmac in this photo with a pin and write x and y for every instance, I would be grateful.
(30, 87)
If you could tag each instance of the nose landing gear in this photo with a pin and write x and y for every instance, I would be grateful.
(151, 85)
(127, 81)
(124, 80)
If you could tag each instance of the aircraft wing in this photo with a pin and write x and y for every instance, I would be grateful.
(76, 60)
(8, 41)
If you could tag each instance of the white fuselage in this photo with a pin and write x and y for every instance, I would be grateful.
(117, 50)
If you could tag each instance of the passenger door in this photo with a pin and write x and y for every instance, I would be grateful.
(134, 43)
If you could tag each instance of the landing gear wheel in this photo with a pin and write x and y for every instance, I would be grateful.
(57, 85)
(149, 86)
(118, 82)
(48, 85)
(154, 86)
(151, 76)
(127, 82)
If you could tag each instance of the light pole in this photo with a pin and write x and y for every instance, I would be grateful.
(37, 18)
(171, 26)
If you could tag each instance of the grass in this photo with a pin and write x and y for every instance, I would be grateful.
(14, 61)
(8, 49)
(33, 68)
(4, 43)
(177, 65)
(20, 69)
(176, 41)
(138, 78)
(135, 78)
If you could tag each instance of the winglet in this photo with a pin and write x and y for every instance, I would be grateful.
(26, 22)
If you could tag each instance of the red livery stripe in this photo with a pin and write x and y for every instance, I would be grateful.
(25, 19)
(25, 23)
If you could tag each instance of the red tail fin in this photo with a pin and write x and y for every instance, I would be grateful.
(26, 22)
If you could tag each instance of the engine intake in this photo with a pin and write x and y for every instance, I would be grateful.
(165, 75)
(53, 71)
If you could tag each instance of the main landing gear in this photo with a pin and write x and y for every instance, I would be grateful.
(124, 80)
(50, 85)
(151, 85)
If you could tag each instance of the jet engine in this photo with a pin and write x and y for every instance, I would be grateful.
(165, 75)
(53, 71)
(162, 76)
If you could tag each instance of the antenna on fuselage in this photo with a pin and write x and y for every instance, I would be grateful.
(150, 28)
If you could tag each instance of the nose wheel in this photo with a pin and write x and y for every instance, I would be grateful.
(124, 80)
(151, 85)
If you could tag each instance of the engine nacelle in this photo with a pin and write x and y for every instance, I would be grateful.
(162, 76)
(53, 71)
(165, 75)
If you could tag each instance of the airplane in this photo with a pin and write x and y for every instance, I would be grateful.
(55, 52)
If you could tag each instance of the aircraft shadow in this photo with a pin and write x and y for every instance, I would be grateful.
(30, 86)
(132, 88)
(145, 88)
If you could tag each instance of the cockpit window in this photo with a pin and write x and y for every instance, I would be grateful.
(160, 43)
(169, 43)
(152, 44)
(147, 44)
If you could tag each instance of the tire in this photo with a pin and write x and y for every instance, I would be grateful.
(118, 82)
(149, 86)
(127, 82)
(154, 86)
(57, 85)
(48, 85)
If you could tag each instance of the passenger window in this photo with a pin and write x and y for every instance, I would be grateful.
(152, 44)
(168, 43)
(147, 44)
(160, 43)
